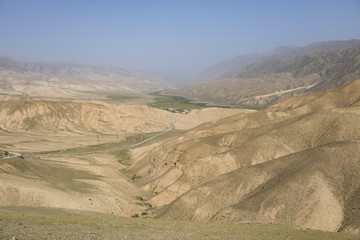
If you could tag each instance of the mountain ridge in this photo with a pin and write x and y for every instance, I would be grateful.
(72, 70)
(280, 165)
(67, 80)
(312, 68)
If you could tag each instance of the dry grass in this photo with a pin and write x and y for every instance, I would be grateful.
(46, 223)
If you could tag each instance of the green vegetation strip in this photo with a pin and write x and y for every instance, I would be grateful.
(121, 97)
(47, 223)
(175, 102)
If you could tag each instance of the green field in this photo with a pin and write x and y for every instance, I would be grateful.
(175, 102)
(27, 223)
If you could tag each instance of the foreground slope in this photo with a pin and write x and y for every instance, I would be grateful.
(294, 163)
(47, 223)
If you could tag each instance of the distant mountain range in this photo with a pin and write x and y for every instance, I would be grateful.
(217, 70)
(17, 77)
(71, 70)
(277, 75)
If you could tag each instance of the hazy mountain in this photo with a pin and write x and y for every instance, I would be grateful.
(294, 163)
(220, 68)
(312, 68)
(174, 79)
(14, 72)
(217, 70)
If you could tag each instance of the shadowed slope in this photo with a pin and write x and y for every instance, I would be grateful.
(309, 188)
(295, 163)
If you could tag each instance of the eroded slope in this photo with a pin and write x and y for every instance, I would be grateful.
(294, 163)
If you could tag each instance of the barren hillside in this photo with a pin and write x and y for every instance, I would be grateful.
(24, 124)
(74, 153)
(10, 67)
(41, 80)
(71, 117)
(294, 163)
(313, 68)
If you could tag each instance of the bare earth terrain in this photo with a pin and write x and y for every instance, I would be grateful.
(86, 182)
(294, 163)
(86, 167)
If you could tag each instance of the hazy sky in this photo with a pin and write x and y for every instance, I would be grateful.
(179, 36)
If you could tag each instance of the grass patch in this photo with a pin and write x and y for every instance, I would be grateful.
(54, 174)
(139, 198)
(135, 138)
(124, 157)
(143, 203)
(165, 102)
(134, 177)
(49, 223)
(65, 178)
(178, 102)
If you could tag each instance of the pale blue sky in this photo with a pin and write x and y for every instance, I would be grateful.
(179, 36)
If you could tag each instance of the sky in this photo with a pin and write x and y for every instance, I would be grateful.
(173, 36)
